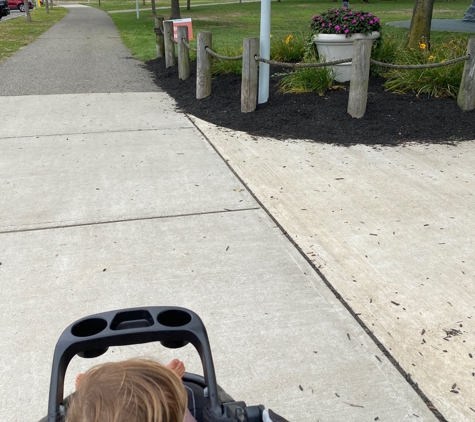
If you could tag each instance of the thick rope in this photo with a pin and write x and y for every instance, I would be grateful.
(218, 56)
(188, 46)
(421, 66)
(302, 65)
(387, 65)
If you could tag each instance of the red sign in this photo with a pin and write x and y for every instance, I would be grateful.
(182, 22)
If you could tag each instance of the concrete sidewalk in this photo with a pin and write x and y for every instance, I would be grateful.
(114, 200)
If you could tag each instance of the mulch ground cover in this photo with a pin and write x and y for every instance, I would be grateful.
(390, 119)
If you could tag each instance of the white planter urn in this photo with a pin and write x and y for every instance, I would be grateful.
(339, 46)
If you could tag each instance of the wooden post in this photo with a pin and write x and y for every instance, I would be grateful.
(359, 78)
(169, 44)
(158, 29)
(466, 97)
(250, 66)
(203, 66)
(183, 54)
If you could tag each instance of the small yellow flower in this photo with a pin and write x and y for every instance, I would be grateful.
(422, 46)
(442, 61)
(431, 57)
(288, 39)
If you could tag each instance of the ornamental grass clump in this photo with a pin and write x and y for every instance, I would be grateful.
(288, 49)
(344, 21)
(435, 82)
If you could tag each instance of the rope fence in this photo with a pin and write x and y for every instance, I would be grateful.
(422, 66)
(188, 46)
(360, 63)
(302, 65)
(220, 57)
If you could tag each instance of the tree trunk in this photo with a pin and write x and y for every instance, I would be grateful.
(188, 4)
(419, 31)
(175, 10)
(143, 2)
(46, 3)
(27, 11)
(154, 9)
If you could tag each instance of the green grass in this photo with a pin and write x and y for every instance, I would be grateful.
(18, 32)
(112, 5)
(231, 23)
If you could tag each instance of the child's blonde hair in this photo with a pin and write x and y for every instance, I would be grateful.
(135, 390)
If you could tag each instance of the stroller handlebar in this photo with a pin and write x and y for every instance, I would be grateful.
(91, 336)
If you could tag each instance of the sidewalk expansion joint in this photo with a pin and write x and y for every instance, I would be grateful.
(127, 220)
(92, 133)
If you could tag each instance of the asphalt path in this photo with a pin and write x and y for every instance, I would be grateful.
(449, 25)
(71, 63)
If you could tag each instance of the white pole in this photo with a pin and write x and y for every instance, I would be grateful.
(137, 8)
(264, 68)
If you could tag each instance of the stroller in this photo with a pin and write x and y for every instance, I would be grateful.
(173, 327)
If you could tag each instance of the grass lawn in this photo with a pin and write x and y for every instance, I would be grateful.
(18, 32)
(230, 23)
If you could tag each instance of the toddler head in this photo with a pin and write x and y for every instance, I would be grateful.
(135, 390)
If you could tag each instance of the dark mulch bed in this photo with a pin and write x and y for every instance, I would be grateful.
(390, 119)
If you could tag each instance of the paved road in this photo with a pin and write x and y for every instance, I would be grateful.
(13, 14)
(450, 25)
(112, 199)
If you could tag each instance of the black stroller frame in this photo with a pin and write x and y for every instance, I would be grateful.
(173, 327)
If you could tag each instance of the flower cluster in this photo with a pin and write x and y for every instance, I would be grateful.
(344, 21)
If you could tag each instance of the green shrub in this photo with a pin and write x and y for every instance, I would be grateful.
(385, 50)
(316, 79)
(288, 49)
(222, 67)
(437, 82)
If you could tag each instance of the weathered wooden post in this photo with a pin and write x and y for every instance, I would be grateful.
(158, 29)
(466, 97)
(250, 66)
(169, 44)
(204, 62)
(183, 53)
(359, 78)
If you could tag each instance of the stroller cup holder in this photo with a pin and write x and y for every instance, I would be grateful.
(173, 327)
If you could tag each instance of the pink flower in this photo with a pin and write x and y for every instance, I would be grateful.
(346, 31)
(337, 28)
(371, 22)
